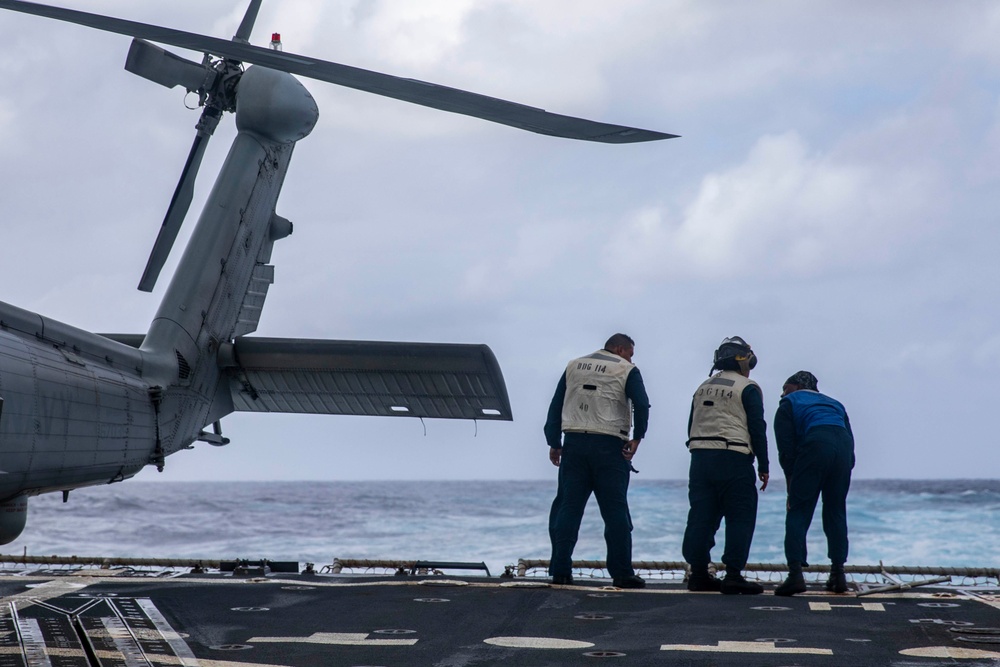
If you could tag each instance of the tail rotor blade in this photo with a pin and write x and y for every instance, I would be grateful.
(179, 205)
(160, 66)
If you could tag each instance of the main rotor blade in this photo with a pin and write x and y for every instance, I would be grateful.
(407, 90)
(178, 209)
(246, 25)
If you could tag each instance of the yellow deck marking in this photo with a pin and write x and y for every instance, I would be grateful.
(335, 638)
(537, 642)
(826, 606)
(745, 647)
(950, 652)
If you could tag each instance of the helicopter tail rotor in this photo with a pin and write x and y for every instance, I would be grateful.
(215, 83)
(160, 66)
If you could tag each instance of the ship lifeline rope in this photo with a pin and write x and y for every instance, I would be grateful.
(526, 565)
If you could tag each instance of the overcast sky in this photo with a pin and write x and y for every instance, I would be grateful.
(833, 199)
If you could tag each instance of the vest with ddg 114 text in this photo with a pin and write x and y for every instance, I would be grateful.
(595, 395)
(718, 420)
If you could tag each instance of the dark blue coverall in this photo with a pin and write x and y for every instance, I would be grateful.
(722, 483)
(816, 453)
(593, 463)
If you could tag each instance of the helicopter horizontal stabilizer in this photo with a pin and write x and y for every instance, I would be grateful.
(160, 66)
(440, 380)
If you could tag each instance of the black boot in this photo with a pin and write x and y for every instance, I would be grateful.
(701, 580)
(837, 583)
(735, 584)
(795, 583)
(631, 581)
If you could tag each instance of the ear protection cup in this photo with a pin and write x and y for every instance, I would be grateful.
(736, 349)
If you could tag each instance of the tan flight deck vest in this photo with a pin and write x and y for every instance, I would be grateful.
(595, 399)
(718, 420)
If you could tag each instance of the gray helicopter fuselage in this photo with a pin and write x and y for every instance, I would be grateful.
(81, 409)
(76, 409)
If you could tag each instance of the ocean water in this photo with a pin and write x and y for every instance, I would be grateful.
(913, 523)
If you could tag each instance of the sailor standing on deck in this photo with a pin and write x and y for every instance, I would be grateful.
(816, 452)
(593, 405)
(726, 430)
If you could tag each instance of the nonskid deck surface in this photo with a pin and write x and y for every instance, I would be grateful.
(299, 620)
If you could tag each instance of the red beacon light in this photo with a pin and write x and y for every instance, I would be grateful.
(276, 41)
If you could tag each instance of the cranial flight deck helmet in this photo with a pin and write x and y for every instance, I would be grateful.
(734, 353)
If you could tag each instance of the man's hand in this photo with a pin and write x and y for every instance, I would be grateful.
(763, 477)
(555, 454)
(628, 450)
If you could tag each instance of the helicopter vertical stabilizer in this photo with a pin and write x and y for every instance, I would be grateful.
(217, 290)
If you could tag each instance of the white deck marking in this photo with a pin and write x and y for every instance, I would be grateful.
(335, 638)
(66, 585)
(537, 642)
(744, 647)
(950, 652)
(171, 636)
(49, 590)
(866, 606)
(156, 659)
(33, 643)
(118, 633)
